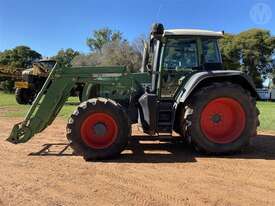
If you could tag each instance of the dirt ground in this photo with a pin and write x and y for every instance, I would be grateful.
(44, 171)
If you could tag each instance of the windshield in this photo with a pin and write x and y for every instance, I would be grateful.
(211, 51)
(180, 53)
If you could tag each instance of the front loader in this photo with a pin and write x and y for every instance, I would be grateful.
(183, 88)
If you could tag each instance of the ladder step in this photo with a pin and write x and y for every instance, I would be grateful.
(165, 110)
(164, 124)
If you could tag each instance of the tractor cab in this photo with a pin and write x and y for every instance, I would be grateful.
(175, 56)
(178, 52)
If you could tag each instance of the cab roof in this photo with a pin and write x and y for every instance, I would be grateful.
(192, 32)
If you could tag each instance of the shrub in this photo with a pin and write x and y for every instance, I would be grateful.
(7, 86)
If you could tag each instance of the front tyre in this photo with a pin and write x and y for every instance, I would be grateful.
(24, 96)
(223, 118)
(98, 129)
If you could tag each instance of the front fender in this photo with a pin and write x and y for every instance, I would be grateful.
(86, 93)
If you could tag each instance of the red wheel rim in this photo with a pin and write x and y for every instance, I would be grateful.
(99, 130)
(223, 120)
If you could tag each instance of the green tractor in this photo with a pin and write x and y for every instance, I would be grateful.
(183, 88)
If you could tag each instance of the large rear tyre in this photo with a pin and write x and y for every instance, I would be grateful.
(98, 129)
(221, 118)
(24, 96)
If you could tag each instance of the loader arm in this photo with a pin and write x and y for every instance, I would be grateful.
(53, 96)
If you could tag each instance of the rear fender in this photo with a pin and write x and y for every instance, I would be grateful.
(201, 79)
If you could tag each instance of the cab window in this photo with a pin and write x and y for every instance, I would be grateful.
(180, 54)
(211, 51)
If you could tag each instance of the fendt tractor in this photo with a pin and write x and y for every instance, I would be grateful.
(34, 78)
(182, 87)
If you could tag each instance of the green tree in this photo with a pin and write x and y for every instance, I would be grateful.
(65, 57)
(109, 48)
(7, 85)
(91, 59)
(19, 57)
(256, 47)
(119, 53)
(101, 37)
(230, 52)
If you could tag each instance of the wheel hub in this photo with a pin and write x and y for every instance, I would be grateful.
(99, 129)
(223, 120)
(216, 118)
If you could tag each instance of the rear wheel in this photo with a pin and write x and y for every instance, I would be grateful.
(98, 129)
(221, 118)
(24, 96)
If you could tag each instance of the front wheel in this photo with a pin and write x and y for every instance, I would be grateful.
(98, 129)
(223, 118)
(24, 96)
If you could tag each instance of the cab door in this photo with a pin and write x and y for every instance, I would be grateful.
(179, 58)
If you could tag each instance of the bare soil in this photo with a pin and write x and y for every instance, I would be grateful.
(44, 171)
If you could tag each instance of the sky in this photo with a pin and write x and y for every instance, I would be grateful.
(48, 26)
